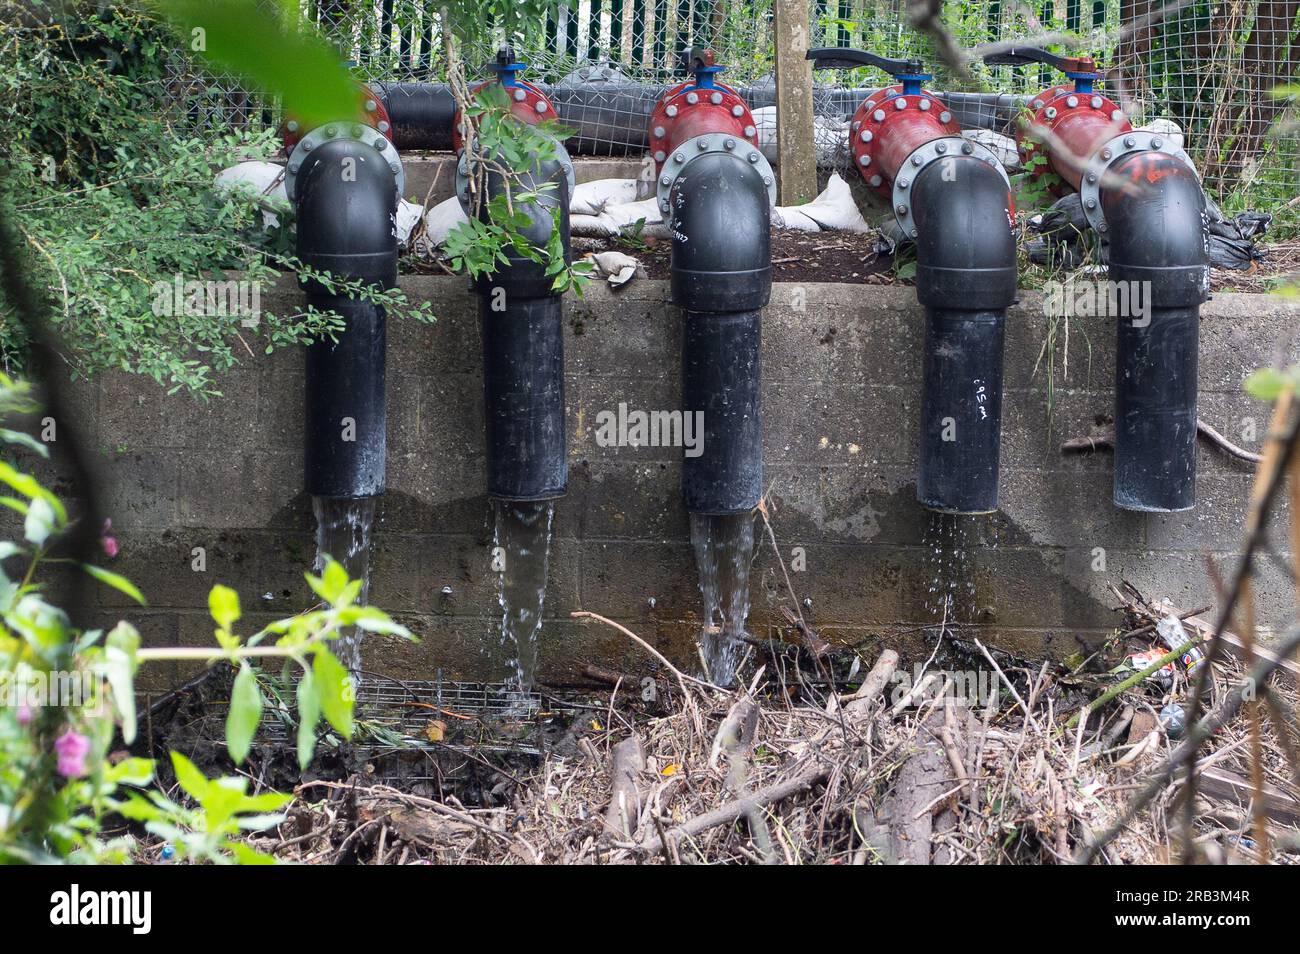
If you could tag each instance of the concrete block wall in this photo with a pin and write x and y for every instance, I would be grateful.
(841, 394)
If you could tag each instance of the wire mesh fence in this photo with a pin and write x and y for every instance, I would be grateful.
(1210, 66)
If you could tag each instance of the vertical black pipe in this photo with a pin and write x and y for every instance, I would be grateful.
(966, 279)
(722, 278)
(523, 352)
(1155, 218)
(346, 199)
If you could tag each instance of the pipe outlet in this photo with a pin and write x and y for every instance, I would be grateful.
(1154, 211)
(966, 279)
(346, 199)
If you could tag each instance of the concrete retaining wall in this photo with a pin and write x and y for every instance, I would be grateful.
(841, 388)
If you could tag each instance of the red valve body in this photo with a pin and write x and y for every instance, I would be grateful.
(371, 115)
(525, 100)
(896, 135)
(729, 116)
(1076, 123)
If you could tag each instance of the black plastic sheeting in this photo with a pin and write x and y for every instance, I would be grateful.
(1059, 236)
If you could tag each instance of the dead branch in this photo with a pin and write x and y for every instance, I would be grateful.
(627, 763)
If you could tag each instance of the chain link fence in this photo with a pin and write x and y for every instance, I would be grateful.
(1211, 67)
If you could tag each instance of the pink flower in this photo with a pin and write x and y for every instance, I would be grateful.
(110, 543)
(71, 748)
(24, 714)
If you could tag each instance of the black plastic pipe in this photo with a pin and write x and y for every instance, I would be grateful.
(422, 114)
(966, 280)
(346, 202)
(722, 278)
(1155, 218)
(611, 118)
(523, 352)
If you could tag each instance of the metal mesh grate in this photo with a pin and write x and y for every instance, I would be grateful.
(393, 714)
(1209, 66)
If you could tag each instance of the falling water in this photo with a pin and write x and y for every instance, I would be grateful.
(724, 549)
(949, 538)
(521, 552)
(343, 527)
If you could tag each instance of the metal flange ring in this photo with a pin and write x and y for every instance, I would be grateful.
(949, 147)
(681, 157)
(357, 132)
(462, 173)
(1124, 144)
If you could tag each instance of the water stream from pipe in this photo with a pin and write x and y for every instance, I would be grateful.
(343, 531)
(724, 550)
(950, 539)
(521, 554)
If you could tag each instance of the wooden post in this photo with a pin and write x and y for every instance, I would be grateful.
(794, 104)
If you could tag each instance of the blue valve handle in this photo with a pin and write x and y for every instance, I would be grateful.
(507, 67)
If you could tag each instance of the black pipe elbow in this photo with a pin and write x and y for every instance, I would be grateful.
(523, 349)
(965, 246)
(1155, 219)
(966, 279)
(722, 277)
(346, 198)
(722, 235)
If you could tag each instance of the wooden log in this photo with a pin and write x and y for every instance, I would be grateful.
(625, 798)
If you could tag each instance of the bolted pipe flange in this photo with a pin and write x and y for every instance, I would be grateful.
(686, 111)
(921, 158)
(888, 115)
(462, 173)
(1125, 144)
(355, 131)
(692, 149)
(1070, 116)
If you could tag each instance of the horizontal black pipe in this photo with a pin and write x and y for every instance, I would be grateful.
(523, 351)
(421, 114)
(1155, 216)
(611, 118)
(722, 278)
(346, 198)
(966, 279)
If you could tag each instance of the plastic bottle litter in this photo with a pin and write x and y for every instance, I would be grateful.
(1172, 634)
(1162, 677)
(1174, 718)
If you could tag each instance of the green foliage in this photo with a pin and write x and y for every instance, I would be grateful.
(505, 147)
(250, 38)
(78, 687)
(1267, 384)
(115, 207)
(212, 830)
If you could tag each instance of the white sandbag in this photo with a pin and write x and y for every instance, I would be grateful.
(1004, 147)
(1170, 130)
(442, 218)
(833, 210)
(617, 268)
(830, 137)
(258, 180)
(592, 198)
(408, 216)
(793, 217)
(618, 219)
